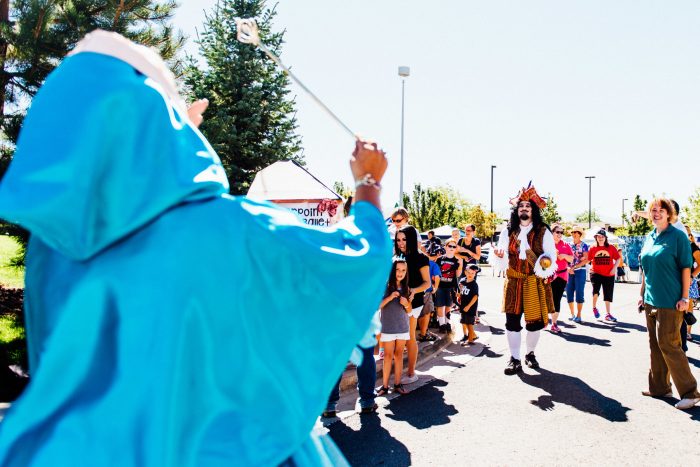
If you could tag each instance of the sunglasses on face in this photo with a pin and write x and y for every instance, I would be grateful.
(559, 232)
(451, 246)
(396, 221)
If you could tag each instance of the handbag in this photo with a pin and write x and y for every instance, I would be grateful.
(690, 318)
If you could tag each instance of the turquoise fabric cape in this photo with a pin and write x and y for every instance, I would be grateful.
(167, 322)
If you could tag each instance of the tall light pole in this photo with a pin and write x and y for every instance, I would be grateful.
(590, 179)
(404, 72)
(492, 167)
(623, 210)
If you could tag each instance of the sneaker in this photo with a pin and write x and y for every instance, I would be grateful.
(531, 361)
(610, 318)
(578, 320)
(596, 313)
(381, 354)
(464, 339)
(555, 329)
(685, 404)
(448, 328)
(409, 379)
(430, 336)
(572, 318)
(371, 409)
(513, 367)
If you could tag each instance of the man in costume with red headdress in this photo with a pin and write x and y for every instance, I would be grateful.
(527, 254)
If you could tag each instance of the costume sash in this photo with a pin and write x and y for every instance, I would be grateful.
(530, 296)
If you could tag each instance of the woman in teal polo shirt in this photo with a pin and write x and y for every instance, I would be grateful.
(666, 263)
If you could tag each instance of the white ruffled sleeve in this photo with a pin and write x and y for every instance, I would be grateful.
(500, 264)
(550, 251)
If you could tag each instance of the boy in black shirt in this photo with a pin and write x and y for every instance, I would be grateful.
(468, 304)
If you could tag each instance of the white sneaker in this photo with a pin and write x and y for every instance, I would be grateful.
(409, 379)
(685, 404)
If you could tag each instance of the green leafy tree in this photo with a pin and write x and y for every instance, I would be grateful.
(485, 222)
(343, 190)
(251, 119)
(641, 225)
(583, 217)
(550, 214)
(433, 207)
(691, 211)
(35, 35)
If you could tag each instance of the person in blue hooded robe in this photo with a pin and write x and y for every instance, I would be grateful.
(141, 274)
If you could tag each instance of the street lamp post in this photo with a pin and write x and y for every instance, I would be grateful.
(492, 167)
(590, 179)
(623, 210)
(404, 72)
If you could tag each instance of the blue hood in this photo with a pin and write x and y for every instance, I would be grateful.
(98, 126)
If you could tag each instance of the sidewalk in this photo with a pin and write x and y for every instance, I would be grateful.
(435, 360)
(425, 351)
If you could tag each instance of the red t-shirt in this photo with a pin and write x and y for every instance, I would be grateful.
(603, 258)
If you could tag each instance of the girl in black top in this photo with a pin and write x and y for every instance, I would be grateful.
(406, 244)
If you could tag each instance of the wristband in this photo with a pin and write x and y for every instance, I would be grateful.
(368, 180)
(685, 299)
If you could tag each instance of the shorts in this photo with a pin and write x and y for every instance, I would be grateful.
(416, 312)
(607, 282)
(428, 306)
(404, 336)
(513, 323)
(443, 297)
(468, 317)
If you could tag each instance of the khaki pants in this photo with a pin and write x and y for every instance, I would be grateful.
(667, 357)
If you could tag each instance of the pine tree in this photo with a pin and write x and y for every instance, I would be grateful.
(251, 120)
(35, 35)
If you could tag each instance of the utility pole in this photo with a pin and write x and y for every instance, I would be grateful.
(590, 212)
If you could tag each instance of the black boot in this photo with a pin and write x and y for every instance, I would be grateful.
(513, 367)
(531, 361)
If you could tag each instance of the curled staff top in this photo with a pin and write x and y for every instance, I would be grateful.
(167, 322)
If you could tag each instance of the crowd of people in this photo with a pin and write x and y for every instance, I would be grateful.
(446, 281)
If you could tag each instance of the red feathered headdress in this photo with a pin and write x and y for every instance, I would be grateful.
(529, 194)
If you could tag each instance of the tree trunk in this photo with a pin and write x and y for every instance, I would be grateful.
(4, 19)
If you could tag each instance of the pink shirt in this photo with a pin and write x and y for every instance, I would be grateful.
(563, 248)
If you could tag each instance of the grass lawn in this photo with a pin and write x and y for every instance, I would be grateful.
(10, 277)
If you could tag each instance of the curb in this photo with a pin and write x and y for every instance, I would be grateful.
(426, 351)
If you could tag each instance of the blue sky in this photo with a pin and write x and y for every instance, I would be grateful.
(548, 91)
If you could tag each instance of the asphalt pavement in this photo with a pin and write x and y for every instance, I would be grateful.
(584, 406)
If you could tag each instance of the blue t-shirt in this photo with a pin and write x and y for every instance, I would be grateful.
(434, 271)
(663, 256)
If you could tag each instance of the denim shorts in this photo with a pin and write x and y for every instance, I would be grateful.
(575, 285)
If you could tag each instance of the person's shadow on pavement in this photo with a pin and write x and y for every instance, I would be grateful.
(565, 389)
(432, 399)
(370, 445)
(583, 339)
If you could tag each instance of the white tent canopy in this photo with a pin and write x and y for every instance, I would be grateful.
(443, 231)
(287, 180)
